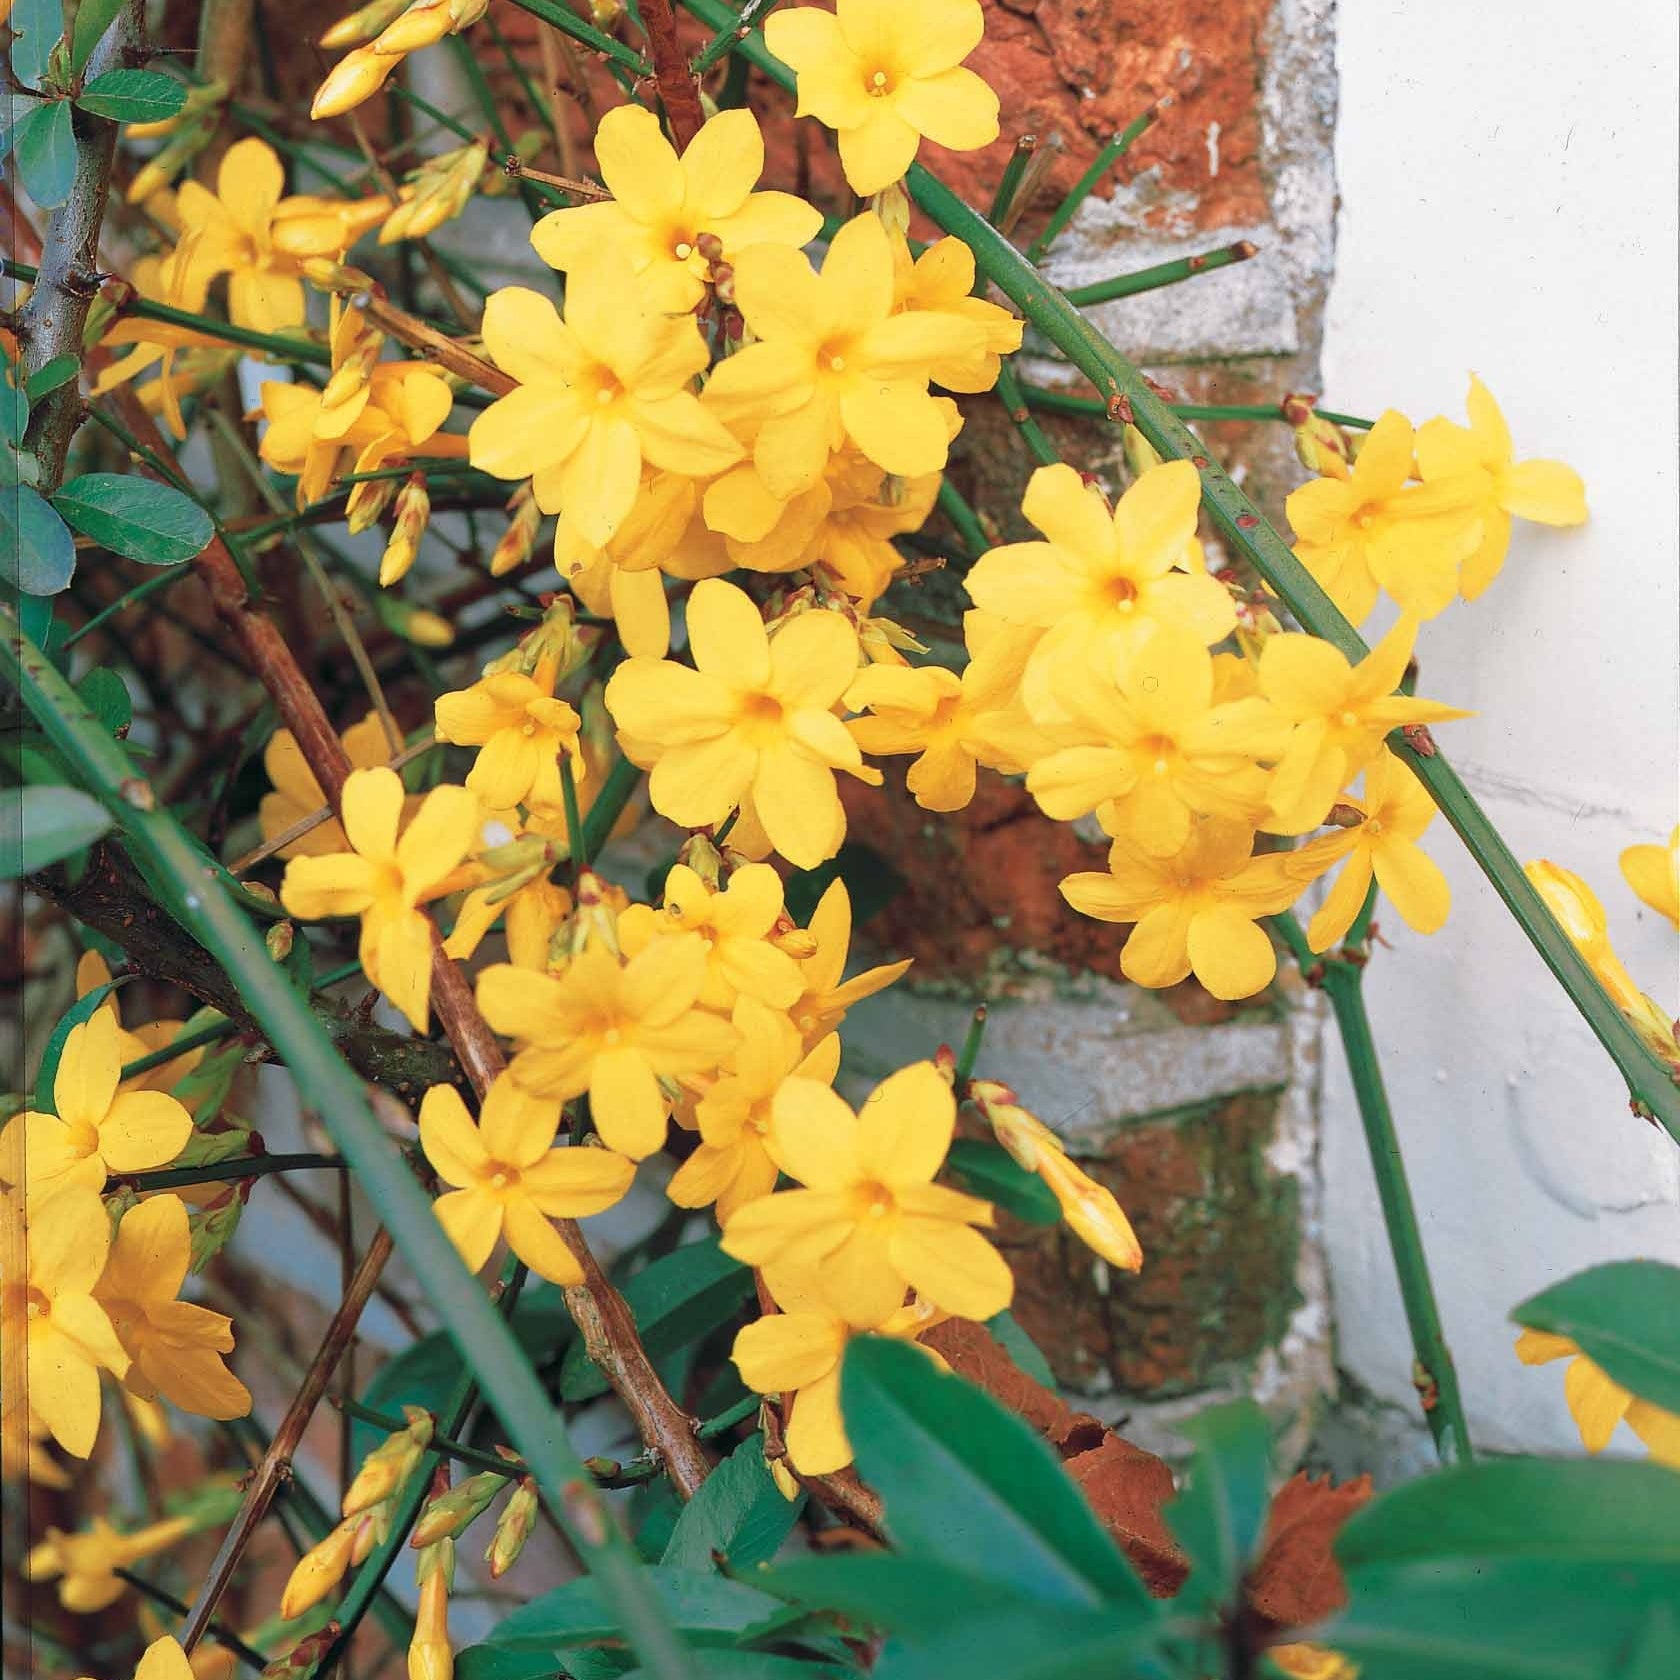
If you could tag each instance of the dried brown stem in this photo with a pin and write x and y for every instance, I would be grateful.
(276, 1465)
(437, 347)
(678, 89)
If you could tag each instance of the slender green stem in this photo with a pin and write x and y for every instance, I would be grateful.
(750, 14)
(725, 1421)
(444, 1444)
(569, 23)
(222, 1635)
(326, 1085)
(1068, 402)
(1104, 161)
(622, 781)
(1009, 183)
(969, 1055)
(1042, 450)
(442, 118)
(1435, 1374)
(536, 198)
(954, 505)
(574, 822)
(161, 579)
(222, 1172)
(1162, 274)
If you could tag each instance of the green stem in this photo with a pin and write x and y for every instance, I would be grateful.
(326, 1085)
(1436, 1375)
(1104, 161)
(1009, 183)
(1162, 274)
(427, 108)
(444, 1444)
(954, 505)
(726, 37)
(1067, 402)
(613, 51)
(575, 842)
(158, 580)
(221, 1172)
(622, 781)
(1009, 393)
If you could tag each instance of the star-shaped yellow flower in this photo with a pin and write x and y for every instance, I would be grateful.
(85, 1563)
(869, 1222)
(384, 879)
(296, 794)
(600, 391)
(1597, 1402)
(521, 730)
(509, 1181)
(886, 75)
(661, 204)
(754, 721)
(822, 1006)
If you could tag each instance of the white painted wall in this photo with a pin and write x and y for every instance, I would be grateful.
(1508, 180)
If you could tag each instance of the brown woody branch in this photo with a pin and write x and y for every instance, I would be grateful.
(603, 1317)
(678, 89)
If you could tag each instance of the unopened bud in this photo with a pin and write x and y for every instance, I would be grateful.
(429, 1653)
(363, 24)
(787, 1484)
(520, 538)
(279, 940)
(414, 512)
(1344, 816)
(448, 1513)
(387, 1467)
(1091, 1211)
(368, 500)
(438, 191)
(513, 1528)
(1319, 446)
(723, 282)
(319, 1570)
(355, 78)
(328, 276)
(892, 205)
(305, 1656)
(701, 855)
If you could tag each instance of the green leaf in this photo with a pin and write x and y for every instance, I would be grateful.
(37, 553)
(45, 147)
(1220, 1514)
(1624, 1317)
(136, 517)
(40, 825)
(1020, 1347)
(497, 1662)
(709, 1609)
(967, 1483)
(37, 27)
(133, 96)
(59, 371)
(894, 1593)
(753, 1665)
(106, 696)
(739, 1515)
(677, 1299)
(92, 20)
(871, 881)
(1656, 1654)
(83, 1009)
(14, 408)
(989, 1170)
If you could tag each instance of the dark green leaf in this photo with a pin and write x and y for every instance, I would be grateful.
(967, 1483)
(739, 1514)
(133, 96)
(44, 144)
(707, 1608)
(894, 1594)
(92, 20)
(59, 371)
(14, 408)
(106, 696)
(678, 1299)
(989, 1170)
(37, 553)
(1021, 1348)
(1219, 1515)
(753, 1665)
(1624, 1317)
(37, 27)
(871, 881)
(46, 1075)
(498, 1662)
(1607, 1511)
(40, 825)
(136, 517)
(1656, 1652)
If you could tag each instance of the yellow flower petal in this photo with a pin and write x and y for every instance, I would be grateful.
(627, 1104)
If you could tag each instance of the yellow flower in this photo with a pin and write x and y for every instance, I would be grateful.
(599, 392)
(797, 1353)
(828, 995)
(735, 922)
(1545, 491)
(1341, 713)
(942, 279)
(1578, 911)
(1397, 809)
(1154, 747)
(1196, 912)
(1089, 1208)
(175, 1348)
(509, 1180)
(735, 1162)
(534, 913)
(1372, 531)
(1598, 1403)
(1654, 874)
(520, 730)
(1102, 581)
(1312, 1662)
(384, 879)
(50, 1309)
(833, 362)
(614, 1030)
(85, 1564)
(661, 204)
(98, 1128)
(952, 723)
(884, 75)
(92, 972)
(870, 1222)
(296, 794)
(164, 1659)
(754, 721)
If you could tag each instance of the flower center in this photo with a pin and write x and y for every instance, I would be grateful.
(878, 84)
(1119, 593)
(498, 1175)
(83, 1138)
(871, 1202)
(761, 718)
(682, 250)
(612, 1036)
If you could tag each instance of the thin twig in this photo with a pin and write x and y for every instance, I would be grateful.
(678, 88)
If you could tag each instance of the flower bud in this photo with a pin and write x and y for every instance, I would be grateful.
(362, 25)
(439, 190)
(414, 512)
(513, 1528)
(445, 1515)
(368, 500)
(355, 78)
(429, 1654)
(422, 23)
(520, 538)
(305, 1657)
(1319, 446)
(787, 1484)
(319, 1570)
(1092, 1213)
(387, 1467)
